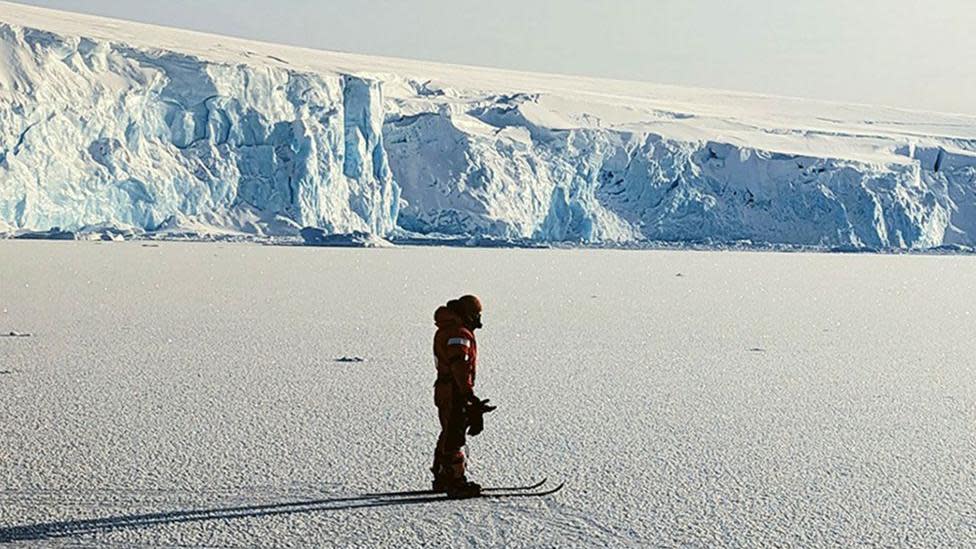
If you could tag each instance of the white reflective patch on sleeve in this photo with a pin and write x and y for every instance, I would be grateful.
(459, 341)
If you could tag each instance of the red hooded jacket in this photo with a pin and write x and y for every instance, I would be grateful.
(455, 353)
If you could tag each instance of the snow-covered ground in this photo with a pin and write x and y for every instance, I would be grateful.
(131, 125)
(702, 399)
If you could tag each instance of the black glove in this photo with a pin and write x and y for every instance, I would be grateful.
(474, 413)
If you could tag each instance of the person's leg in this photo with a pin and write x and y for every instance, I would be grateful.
(449, 455)
(459, 486)
(448, 467)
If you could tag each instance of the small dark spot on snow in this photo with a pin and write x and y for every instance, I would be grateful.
(6, 372)
(757, 350)
(150, 245)
(350, 359)
(16, 334)
(679, 275)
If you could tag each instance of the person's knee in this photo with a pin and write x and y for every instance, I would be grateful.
(455, 440)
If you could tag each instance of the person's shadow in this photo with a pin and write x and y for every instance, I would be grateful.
(47, 530)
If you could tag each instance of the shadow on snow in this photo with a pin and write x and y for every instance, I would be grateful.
(66, 528)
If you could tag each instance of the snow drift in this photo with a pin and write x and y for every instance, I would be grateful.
(105, 122)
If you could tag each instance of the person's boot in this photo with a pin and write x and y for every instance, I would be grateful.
(462, 489)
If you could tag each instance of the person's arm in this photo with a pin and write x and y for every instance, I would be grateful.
(460, 362)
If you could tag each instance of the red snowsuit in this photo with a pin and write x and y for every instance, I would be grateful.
(456, 355)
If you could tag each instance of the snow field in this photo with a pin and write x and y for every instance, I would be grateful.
(756, 399)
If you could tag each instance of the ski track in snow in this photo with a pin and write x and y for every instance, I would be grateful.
(199, 381)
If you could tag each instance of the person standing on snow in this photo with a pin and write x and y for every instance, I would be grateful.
(456, 356)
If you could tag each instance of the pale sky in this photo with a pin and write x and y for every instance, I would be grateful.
(907, 53)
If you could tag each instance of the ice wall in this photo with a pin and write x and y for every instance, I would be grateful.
(102, 132)
(96, 132)
(590, 185)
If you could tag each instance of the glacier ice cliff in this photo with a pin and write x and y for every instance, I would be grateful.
(593, 185)
(96, 132)
(120, 124)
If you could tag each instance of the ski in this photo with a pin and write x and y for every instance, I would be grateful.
(490, 490)
(492, 494)
(515, 488)
(488, 493)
